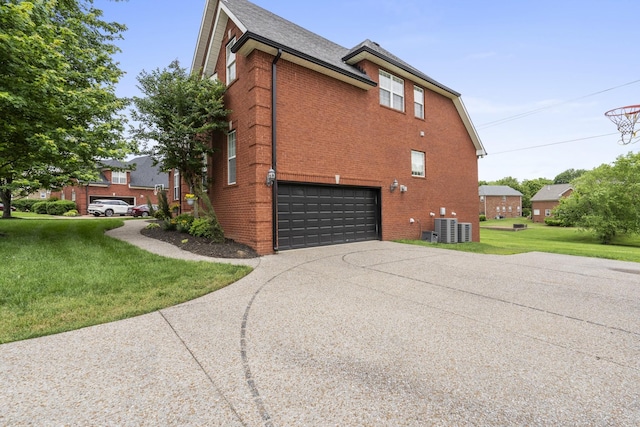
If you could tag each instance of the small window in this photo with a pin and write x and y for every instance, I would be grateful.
(231, 157)
(176, 184)
(547, 212)
(536, 212)
(418, 102)
(417, 163)
(231, 62)
(118, 177)
(391, 91)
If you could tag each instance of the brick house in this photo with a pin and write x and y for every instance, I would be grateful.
(543, 202)
(499, 201)
(328, 144)
(135, 186)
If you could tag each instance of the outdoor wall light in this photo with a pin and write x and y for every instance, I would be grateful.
(403, 188)
(394, 185)
(443, 211)
(271, 177)
(453, 214)
(432, 214)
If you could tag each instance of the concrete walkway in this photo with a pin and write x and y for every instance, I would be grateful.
(364, 334)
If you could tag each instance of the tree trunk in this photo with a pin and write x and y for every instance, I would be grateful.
(5, 198)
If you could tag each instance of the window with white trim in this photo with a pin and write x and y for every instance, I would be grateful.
(391, 91)
(176, 184)
(231, 157)
(231, 62)
(418, 102)
(547, 212)
(417, 163)
(118, 177)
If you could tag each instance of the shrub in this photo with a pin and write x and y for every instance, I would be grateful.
(40, 207)
(152, 225)
(183, 222)
(169, 224)
(483, 217)
(24, 205)
(59, 207)
(553, 222)
(152, 212)
(526, 212)
(201, 227)
(72, 212)
(163, 212)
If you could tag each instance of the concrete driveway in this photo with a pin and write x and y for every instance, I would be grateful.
(365, 334)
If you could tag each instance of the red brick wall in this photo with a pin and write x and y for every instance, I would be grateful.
(508, 208)
(325, 128)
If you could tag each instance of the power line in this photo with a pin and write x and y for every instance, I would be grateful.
(555, 143)
(537, 110)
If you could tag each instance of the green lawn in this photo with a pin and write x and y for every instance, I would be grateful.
(543, 238)
(61, 275)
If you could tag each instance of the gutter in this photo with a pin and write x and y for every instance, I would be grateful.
(274, 160)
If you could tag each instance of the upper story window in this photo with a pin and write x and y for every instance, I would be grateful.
(417, 163)
(391, 91)
(418, 102)
(231, 157)
(118, 177)
(231, 62)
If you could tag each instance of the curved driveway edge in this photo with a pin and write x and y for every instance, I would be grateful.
(373, 333)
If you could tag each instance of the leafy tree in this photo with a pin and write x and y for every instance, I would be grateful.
(567, 176)
(605, 200)
(529, 189)
(177, 119)
(57, 94)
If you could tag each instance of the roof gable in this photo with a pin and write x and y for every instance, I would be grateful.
(551, 192)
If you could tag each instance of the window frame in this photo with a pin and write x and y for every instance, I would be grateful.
(117, 177)
(386, 84)
(232, 157)
(176, 184)
(418, 89)
(230, 59)
(423, 173)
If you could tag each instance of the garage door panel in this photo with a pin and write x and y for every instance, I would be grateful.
(311, 215)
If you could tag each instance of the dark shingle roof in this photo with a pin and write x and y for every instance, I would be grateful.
(141, 169)
(281, 33)
(375, 49)
(497, 190)
(551, 192)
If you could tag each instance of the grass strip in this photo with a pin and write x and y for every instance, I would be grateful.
(58, 276)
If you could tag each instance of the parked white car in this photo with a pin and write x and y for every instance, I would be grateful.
(108, 207)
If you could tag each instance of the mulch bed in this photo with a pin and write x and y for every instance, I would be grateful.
(201, 245)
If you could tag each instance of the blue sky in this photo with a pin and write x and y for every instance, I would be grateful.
(560, 64)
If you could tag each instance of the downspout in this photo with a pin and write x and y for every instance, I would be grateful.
(274, 162)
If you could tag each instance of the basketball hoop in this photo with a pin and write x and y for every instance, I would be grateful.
(625, 119)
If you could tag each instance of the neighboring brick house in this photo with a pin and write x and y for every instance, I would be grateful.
(500, 201)
(134, 186)
(360, 144)
(546, 199)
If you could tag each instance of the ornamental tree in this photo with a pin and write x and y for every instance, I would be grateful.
(58, 105)
(177, 119)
